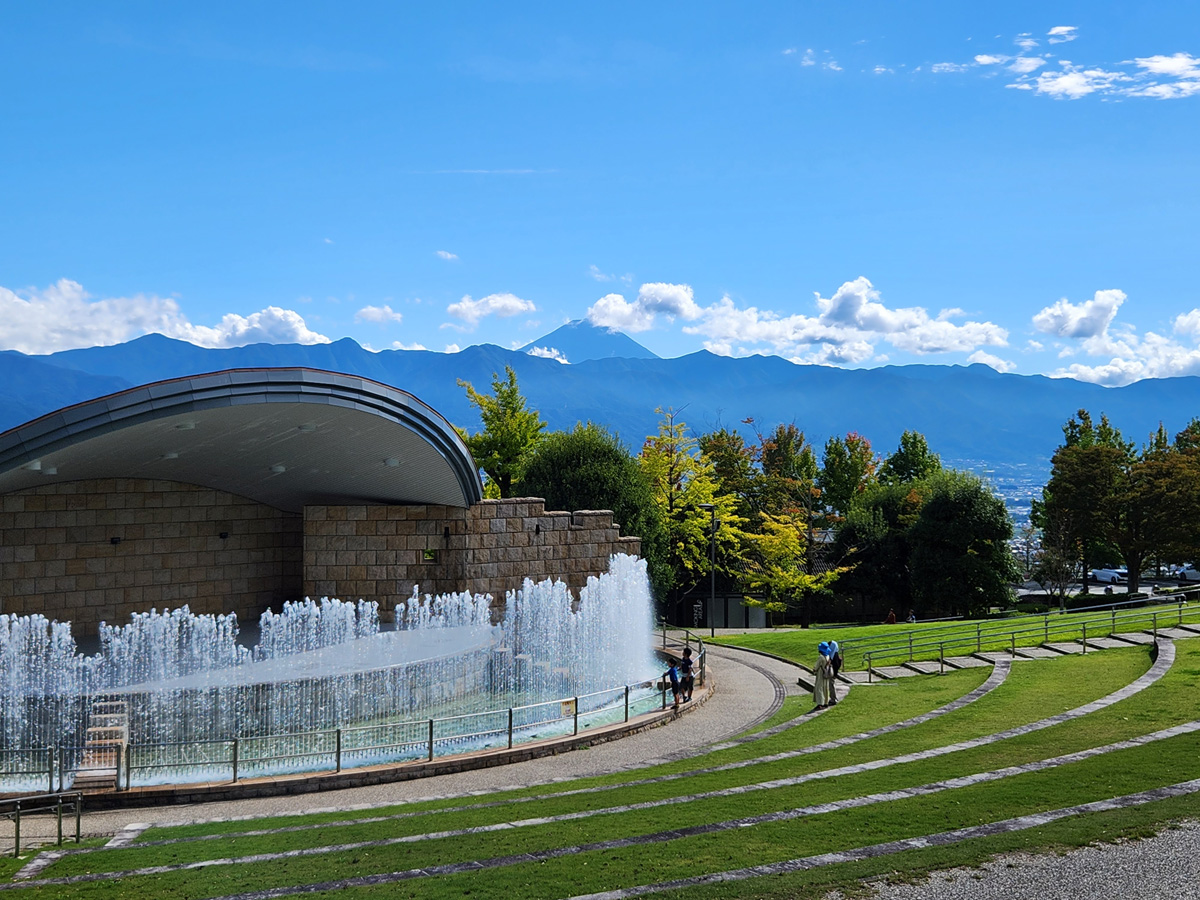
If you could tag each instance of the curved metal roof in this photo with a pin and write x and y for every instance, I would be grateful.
(288, 438)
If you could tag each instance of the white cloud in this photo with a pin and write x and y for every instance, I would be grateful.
(808, 59)
(1073, 82)
(989, 59)
(447, 255)
(499, 305)
(1061, 34)
(789, 51)
(64, 316)
(327, 240)
(1084, 320)
(400, 345)
(452, 348)
(944, 67)
(1025, 41)
(1033, 346)
(1188, 323)
(1181, 65)
(883, 70)
(595, 274)
(833, 66)
(1000, 365)
(674, 301)
(1023, 65)
(844, 331)
(378, 314)
(549, 353)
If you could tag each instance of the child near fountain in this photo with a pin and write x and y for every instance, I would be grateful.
(687, 669)
(673, 674)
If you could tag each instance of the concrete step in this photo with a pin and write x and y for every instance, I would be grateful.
(1174, 632)
(853, 677)
(1105, 643)
(922, 667)
(1135, 637)
(1064, 647)
(966, 662)
(991, 656)
(1036, 653)
(893, 672)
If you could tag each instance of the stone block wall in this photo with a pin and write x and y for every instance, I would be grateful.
(382, 552)
(58, 556)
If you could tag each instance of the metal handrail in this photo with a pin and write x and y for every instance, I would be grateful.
(871, 657)
(881, 643)
(42, 803)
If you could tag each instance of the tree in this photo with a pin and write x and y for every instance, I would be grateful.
(960, 556)
(1087, 472)
(789, 469)
(778, 568)
(589, 468)
(912, 460)
(734, 467)
(874, 535)
(681, 480)
(510, 431)
(847, 468)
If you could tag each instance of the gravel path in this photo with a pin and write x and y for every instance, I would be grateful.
(1165, 867)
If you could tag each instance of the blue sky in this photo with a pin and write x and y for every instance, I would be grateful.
(843, 183)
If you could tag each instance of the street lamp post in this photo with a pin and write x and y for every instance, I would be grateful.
(712, 569)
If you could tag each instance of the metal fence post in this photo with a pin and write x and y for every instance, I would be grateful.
(1013, 637)
(626, 703)
(431, 740)
(942, 658)
(978, 638)
(235, 760)
(1046, 626)
(1180, 612)
(121, 763)
(78, 814)
(1154, 624)
(50, 767)
(1114, 621)
(575, 708)
(338, 760)
(59, 811)
(510, 726)
(910, 647)
(17, 829)
(1085, 637)
(870, 671)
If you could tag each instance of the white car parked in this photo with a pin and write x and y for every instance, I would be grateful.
(1110, 576)
(1188, 573)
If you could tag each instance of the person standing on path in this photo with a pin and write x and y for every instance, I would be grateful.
(687, 669)
(835, 666)
(821, 677)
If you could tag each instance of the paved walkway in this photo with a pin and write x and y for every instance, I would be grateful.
(749, 688)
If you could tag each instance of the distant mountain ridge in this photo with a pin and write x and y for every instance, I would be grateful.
(970, 413)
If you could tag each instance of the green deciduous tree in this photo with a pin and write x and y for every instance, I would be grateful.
(777, 568)
(912, 460)
(961, 560)
(589, 468)
(510, 431)
(682, 479)
(847, 468)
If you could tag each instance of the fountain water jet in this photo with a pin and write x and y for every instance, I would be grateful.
(326, 665)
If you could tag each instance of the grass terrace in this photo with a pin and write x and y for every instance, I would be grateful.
(1058, 736)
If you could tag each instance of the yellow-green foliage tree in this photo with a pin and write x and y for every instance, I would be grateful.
(780, 569)
(682, 481)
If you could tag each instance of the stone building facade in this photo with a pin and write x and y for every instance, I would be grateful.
(101, 550)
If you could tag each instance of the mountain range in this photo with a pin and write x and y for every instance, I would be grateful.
(972, 415)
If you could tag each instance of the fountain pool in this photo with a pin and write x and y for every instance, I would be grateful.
(181, 697)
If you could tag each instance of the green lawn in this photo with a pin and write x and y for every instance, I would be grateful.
(751, 779)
